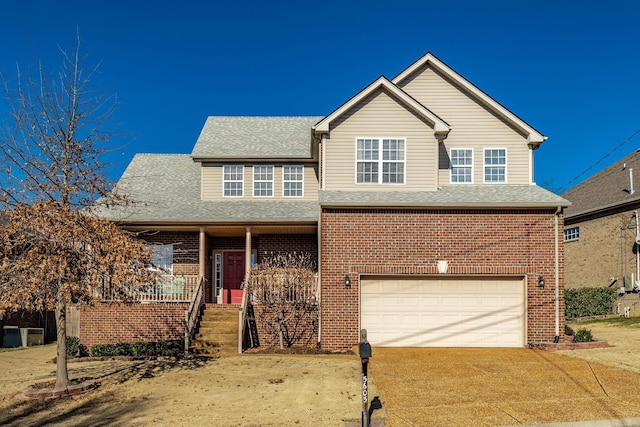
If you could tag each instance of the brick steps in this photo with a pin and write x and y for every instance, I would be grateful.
(218, 332)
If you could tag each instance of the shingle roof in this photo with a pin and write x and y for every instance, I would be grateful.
(606, 189)
(225, 137)
(461, 196)
(166, 189)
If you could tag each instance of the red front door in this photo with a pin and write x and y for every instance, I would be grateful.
(233, 274)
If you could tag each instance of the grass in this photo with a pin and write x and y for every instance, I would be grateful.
(615, 321)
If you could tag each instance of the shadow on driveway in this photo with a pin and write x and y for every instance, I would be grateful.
(498, 387)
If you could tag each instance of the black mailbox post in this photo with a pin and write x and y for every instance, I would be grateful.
(365, 354)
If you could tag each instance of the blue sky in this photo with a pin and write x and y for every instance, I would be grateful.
(569, 68)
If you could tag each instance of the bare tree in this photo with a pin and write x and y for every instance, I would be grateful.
(53, 251)
(284, 289)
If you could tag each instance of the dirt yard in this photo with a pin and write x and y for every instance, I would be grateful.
(253, 390)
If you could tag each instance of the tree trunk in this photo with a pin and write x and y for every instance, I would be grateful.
(62, 375)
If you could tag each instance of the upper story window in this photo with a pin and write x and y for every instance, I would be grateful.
(263, 181)
(292, 181)
(571, 234)
(495, 165)
(461, 165)
(380, 160)
(233, 180)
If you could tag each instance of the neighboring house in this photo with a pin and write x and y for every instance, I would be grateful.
(416, 197)
(601, 228)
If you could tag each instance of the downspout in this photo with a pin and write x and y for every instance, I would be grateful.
(635, 213)
(319, 276)
(557, 273)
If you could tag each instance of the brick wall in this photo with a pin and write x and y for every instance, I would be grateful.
(406, 242)
(605, 249)
(186, 248)
(112, 323)
(283, 244)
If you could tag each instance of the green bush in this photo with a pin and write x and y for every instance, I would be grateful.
(139, 348)
(583, 302)
(73, 346)
(583, 335)
(568, 330)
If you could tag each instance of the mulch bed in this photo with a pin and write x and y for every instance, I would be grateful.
(301, 350)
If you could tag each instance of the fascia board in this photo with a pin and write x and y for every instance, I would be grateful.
(534, 137)
(440, 126)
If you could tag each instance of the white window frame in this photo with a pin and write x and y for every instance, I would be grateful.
(226, 181)
(259, 180)
(496, 166)
(379, 162)
(297, 182)
(572, 234)
(453, 166)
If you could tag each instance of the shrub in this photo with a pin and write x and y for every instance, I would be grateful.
(139, 348)
(73, 346)
(102, 350)
(583, 335)
(568, 330)
(582, 302)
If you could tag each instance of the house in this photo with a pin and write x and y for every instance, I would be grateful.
(601, 228)
(415, 196)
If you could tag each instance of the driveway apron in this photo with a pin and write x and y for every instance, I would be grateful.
(498, 387)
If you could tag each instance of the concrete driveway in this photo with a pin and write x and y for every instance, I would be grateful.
(498, 387)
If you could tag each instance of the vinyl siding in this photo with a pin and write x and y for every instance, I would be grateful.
(473, 126)
(380, 115)
(212, 183)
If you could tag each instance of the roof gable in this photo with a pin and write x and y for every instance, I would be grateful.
(534, 137)
(240, 137)
(441, 128)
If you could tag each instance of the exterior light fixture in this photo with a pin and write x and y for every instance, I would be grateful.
(541, 282)
(347, 281)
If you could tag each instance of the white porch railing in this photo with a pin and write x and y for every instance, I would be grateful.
(178, 288)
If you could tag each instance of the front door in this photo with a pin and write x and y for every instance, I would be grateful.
(233, 272)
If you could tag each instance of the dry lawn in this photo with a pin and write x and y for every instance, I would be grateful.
(254, 390)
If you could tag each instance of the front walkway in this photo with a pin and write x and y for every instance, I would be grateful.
(498, 387)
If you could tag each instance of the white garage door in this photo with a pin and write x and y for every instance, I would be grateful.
(452, 312)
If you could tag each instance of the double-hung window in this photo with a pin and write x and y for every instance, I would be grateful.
(380, 160)
(263, 181)
(233, 180)
(495, 165)
(571, 234)
(461, 165)
(292, 181)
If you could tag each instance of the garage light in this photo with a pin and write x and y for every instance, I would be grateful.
(347, 281)
(541, 282)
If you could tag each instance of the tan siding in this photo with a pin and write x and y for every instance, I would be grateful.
(473, 126)
(380, 115)
(212, 183)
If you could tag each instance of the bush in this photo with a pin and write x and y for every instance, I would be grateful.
(583, 302)
(583, 335)
(139, 348)
(73, 346)
(568, 330)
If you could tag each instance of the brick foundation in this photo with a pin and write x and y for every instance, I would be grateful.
(111, 323)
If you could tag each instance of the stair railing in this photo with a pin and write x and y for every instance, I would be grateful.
(191, 314)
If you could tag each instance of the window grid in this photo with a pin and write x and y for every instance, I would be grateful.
(233, 179)
(461, 165)
(571, 234)
(495, 161)
(263, 181)
(380, 163)
(292, 181)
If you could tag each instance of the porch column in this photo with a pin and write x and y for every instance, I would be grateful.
(247, 250)
(202, 259)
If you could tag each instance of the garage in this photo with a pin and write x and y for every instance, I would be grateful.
(443, 312)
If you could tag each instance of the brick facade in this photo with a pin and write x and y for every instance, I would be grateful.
(113, 323)
(409, 242)
(605, 249)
